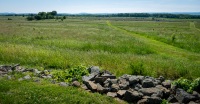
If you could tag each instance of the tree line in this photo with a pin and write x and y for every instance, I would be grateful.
(153, 15)
(44, 15)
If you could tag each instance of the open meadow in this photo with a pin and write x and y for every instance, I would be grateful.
(137, 46)
(166, 47)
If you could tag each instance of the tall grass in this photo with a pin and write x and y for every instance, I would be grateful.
(52, 44)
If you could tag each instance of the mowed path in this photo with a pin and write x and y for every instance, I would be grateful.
(160, 47)
(192, 25)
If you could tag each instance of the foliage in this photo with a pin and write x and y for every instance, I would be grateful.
(69, 74)
(188, 85)
(164, 101)
(42, 15)
(137, 69)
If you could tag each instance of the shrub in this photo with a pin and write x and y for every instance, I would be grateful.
(69, 74)
(30, 18)
(188, 85)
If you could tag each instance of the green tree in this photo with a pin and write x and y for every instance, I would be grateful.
(54, 13)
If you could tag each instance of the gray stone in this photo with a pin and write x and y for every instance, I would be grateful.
(112, 94)
(167, 84)
(94, 69)
(83, 86)
(100, 80)
(147, 83)
(150, 100)
(113, 81)
(132, 96)
(27, 77)
(141, 78)
(161, 78)
(123, 84)
(107, 83)
(172, 99)
(115, 87)
(184, 97)
(5, 68)
(100, 89)
(137, 87)
(165, 91)
(149, 91)
(88, 78)
(63, 84)
(133, 80)
(90, 85)
(36, 72)
(125, 76)
(121, 93)
(108, 76)
(76, 84)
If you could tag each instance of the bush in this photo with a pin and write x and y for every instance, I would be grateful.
(188, 85)
(69, 74)
(30, 18)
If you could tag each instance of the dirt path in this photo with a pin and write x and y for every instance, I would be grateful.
(160, 47)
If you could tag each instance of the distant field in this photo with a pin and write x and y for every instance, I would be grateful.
(122, 45)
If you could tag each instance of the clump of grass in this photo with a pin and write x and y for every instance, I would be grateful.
(138, 69)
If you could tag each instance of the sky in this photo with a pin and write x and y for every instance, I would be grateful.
(99, 6)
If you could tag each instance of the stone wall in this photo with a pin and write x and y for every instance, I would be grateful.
(131, 88)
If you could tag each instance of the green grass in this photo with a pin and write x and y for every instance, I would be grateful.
(118, 46)
(26, 92)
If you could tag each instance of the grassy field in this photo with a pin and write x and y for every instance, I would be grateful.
(167, 47)
(119, 45)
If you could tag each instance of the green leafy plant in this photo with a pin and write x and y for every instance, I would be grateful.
(188, 85)
(69, 74)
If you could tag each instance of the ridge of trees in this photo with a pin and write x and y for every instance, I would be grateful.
(153, 15)
(42, 16)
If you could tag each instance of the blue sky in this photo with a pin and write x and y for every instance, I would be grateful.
(99, 6)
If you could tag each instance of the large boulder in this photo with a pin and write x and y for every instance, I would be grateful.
(184, 97)
(147, 83)
(149, 91)
(123, 84)
(121, 93)
(27, 77)
(88, 78)
(76, 84)
(63, 84)
(101, 89)
(132, 96)
(100, 80)
(112, 94)
(133, 80)
(91, 85)
(108, 76)
(115, 87)
(94, 70)
(167, 84)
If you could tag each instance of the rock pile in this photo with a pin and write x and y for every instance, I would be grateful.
(137, 89)
(131, 88)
